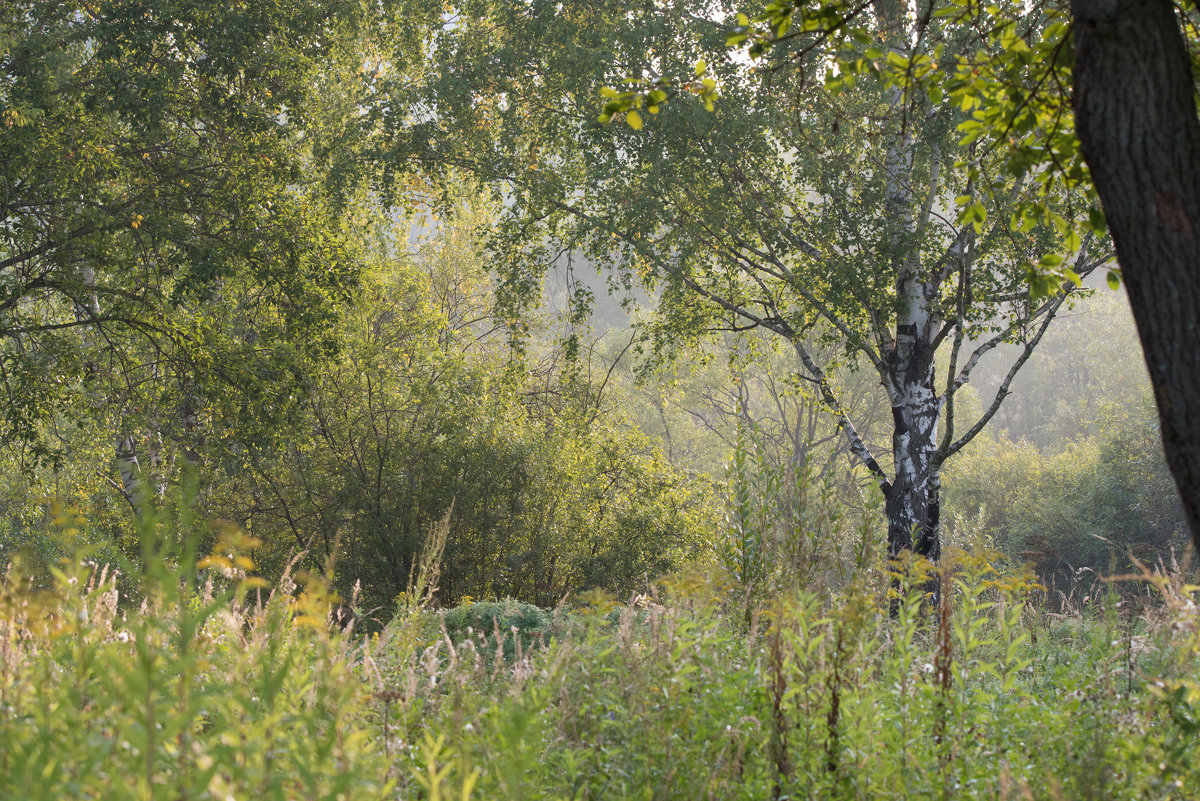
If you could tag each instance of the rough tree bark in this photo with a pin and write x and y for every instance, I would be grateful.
(1136, 118)
(912, 501)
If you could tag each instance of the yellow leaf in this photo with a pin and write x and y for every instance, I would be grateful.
(635, 120)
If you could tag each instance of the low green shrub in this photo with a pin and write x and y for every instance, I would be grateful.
(506, 625)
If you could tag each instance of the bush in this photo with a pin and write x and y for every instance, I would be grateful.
(499, 624)
(1086, 508)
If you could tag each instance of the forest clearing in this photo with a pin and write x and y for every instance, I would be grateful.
(607, 399)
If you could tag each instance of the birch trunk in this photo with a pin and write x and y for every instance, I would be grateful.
(912, 503)
(130, 472)
(912, 500)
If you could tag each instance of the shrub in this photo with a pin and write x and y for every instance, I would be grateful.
(1085, 509)
(498, 624)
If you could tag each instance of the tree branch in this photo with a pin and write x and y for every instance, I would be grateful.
(1049, 310)
(857, 446)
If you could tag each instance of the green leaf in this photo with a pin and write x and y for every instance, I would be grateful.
(1114, 280)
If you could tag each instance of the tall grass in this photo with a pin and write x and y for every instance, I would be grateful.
(211, 686)
(822, 697)
(207, 684)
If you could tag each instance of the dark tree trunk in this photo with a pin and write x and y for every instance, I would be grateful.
(1136, 119)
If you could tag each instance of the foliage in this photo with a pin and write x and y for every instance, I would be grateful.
(426, 406)
(522, 624)
(761, 215)
(418, 405)
(822, 698)
(1090, 506)
(787, 526)
(200, 261)
(158, 157)
(1073, 477)
(1007, 67)
(212, 687)
(46, 515)
(215, 685)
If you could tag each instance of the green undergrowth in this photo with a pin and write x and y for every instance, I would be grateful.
(523, 626)
(205, 684)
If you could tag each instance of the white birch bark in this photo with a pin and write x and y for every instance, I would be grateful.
(912, 502)
(130, 472)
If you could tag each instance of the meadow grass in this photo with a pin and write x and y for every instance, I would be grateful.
(207, 684)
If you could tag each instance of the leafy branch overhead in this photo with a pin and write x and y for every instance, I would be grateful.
(652, 93)
(1007, 69)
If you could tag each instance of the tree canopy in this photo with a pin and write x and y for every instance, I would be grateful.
(158, 157)
(860, 216)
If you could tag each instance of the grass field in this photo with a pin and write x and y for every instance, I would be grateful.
(211, 685)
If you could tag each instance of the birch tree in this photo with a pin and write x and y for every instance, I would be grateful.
(792, 208)
(1123, 75)
(1092, 93)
